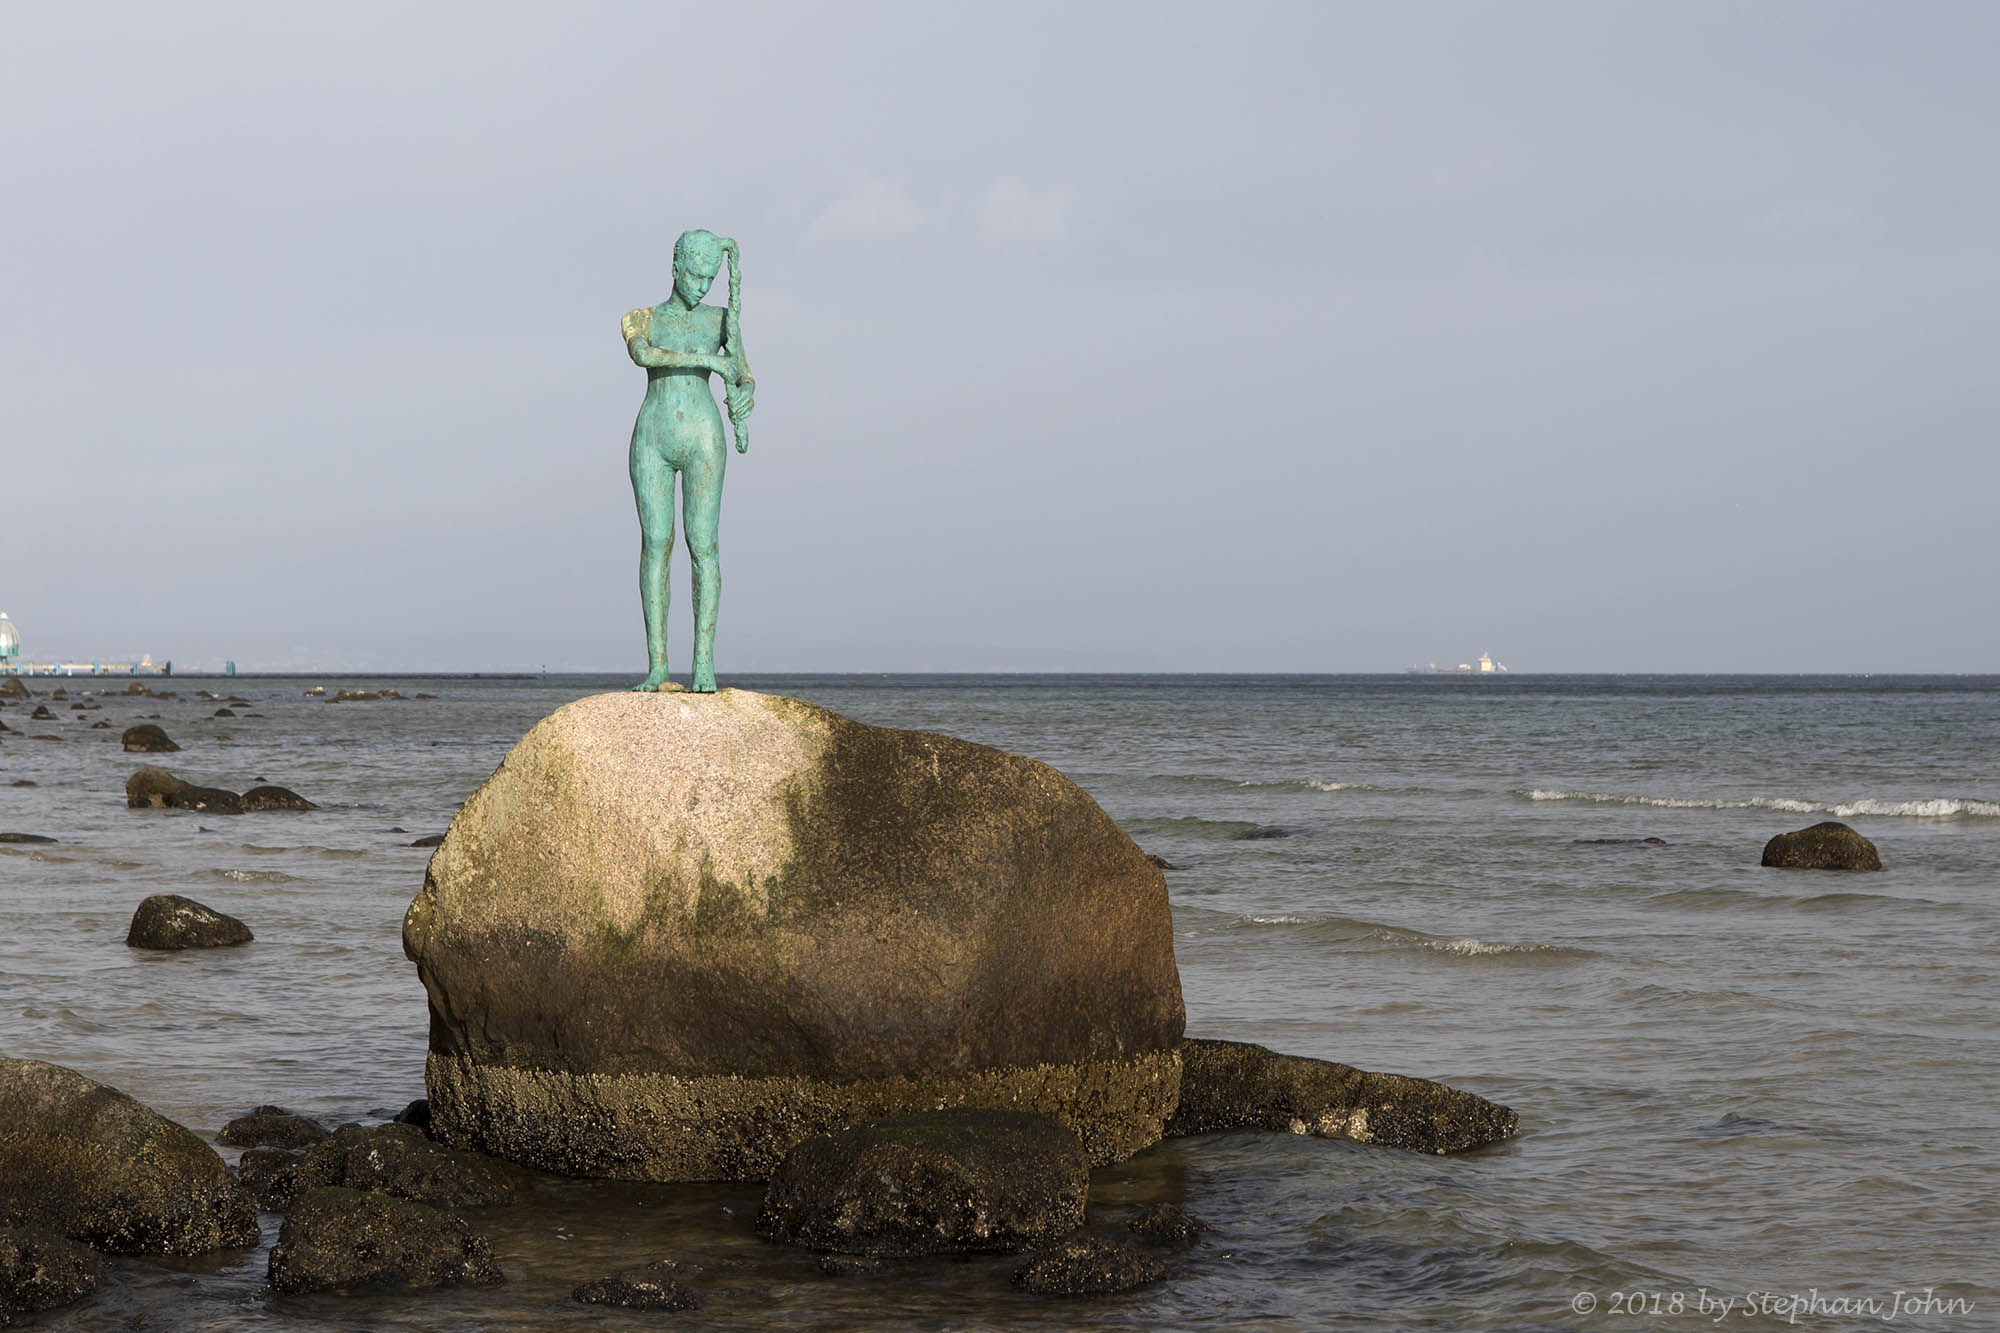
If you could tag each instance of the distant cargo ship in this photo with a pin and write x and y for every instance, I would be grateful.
(1485, 666)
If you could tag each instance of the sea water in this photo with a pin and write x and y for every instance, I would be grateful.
(1775, 1089)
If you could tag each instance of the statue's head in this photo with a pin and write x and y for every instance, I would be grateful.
(697, 259)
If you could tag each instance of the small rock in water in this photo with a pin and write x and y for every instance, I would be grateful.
(25, 837)
(275, 798)
(40, 1270)
(1087, 1267)
(650, 1288)
(224, 712)
(1167, 1222)
(1162, 862)
(417, 1113)
(1831, 845)
(339, 1239)
(271, 1127)
(1237, 1085)
(429, 840)
(42, 714)
(271, 1176)
(936, 1182)
(100, 726)
(160, 790)
(169, 921)
(21, 782)
(397, 828)
(14, 688)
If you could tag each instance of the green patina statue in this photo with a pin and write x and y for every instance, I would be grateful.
(680, 342)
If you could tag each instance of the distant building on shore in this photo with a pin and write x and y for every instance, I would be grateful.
(10, 642)
(12, 665)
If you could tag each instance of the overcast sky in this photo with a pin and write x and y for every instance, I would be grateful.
(1315, 337)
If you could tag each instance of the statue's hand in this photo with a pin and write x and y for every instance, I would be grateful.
(742, 397)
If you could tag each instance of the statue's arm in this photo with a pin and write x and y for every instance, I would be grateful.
(637, 326)
(742, 392)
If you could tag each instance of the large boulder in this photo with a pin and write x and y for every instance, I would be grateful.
(1831, 845)
(938, 1182)
(88, 1162)
(169, 921)
(1235, 1085)
(675, 934)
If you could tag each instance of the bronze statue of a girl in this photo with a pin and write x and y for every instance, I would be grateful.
(680, 342)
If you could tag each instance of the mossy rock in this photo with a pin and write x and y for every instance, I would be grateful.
(1831, 845)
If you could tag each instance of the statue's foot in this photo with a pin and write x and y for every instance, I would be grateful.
(704, 679)
(655, 680)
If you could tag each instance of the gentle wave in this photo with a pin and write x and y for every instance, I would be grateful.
(1208, 782)
(257, 876)
(1943, 807)
(1228, 830)
(1371, 936)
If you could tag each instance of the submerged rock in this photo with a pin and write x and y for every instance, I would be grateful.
(401, 1160)
(25, 837)
(88, 1162)
(169, 921)
(1235, 1085)
(40, 1270)
(429, 840)
(148, 738)
(651, 1288)
(275, 798)
(1085, 1266)
(673, 935)
(1825, 846)
(343, 1239)
(271, 1127)
(1167, 1222)
(939, 1182)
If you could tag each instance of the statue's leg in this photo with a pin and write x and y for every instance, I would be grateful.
(653, 489)
(701, 512)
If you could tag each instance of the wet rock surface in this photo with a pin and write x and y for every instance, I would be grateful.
(401, 1160)
(25, 837)
(1830, 845)
(935, 1182)
(654, 1287)
(158, 789)
(1086, 1266)
(40, 1270)
(271, 1127)
(1236, 1085)
(86, 1161)
(345, 1240)
(1167, 1223)
(169, 921)
(270, 1176)
(148, 738)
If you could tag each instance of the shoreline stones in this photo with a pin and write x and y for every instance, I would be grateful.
(1086, 1266)
(1236, 1085)
(653, 1287)
(940, 1182)
(169, 921)
(86, 1161)
(1830, 845)
(400, 1160)
(148, 738)
(675, 934)
(343, 1239)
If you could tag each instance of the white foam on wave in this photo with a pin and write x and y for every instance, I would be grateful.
(1470, 948)
(1280, 920)
(1942, 807)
